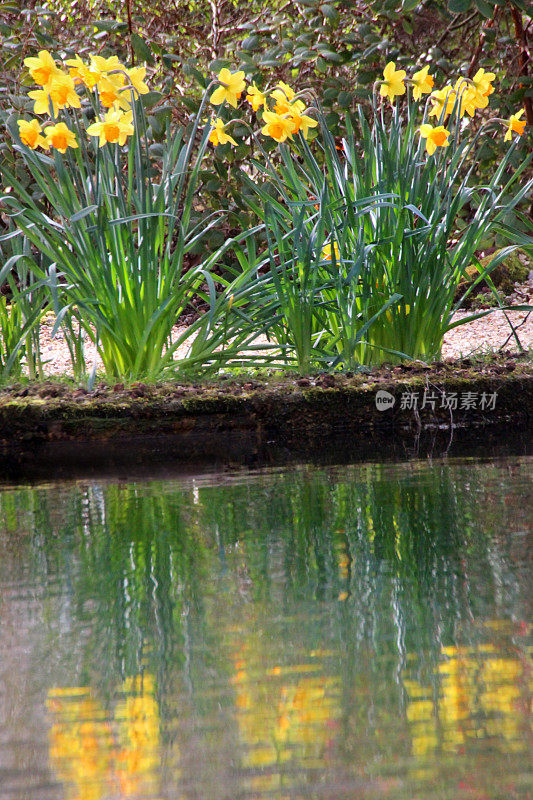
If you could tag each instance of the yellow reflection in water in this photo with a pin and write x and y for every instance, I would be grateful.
(95, 753)
(284, 713)
(481, 694)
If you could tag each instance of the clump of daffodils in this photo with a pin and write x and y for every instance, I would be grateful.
(281, 112)
(103, 83)
(470, 95)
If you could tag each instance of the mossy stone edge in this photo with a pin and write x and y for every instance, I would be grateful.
(238, 421)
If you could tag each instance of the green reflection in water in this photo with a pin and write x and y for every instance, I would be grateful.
(351, 632)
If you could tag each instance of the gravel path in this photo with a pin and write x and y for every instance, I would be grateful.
(481, 336)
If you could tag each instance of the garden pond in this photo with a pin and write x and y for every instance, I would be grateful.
(340, 632)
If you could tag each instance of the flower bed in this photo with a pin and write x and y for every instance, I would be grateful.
(355, 260)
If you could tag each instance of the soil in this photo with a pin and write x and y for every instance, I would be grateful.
(58, 429)
(53, 429)
(484, 335)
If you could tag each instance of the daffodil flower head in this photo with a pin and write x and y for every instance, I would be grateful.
(422, 82)
(106, 65)
(111, 79)
(60, 137)
(515, 124)
(284, 96)
(302, 122)
(219, 135)
(232, 85)
(30, 133)
(435, 137)
(136, 76)
(330, 251)
(443, 100)
(276, 126)
(471, 98)
(483, 81)
(255, 97)
(111, 91)
(42, 102)
(115, 127)
(60, 92)
(80, 72)
(393, 82)
(42, 67)
(63, 92)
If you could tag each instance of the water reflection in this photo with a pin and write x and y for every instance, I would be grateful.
(96, 753)
(287, 715)
(355, 632)
(482, 694)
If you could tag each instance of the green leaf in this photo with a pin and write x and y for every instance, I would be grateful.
(218, 64)
(109, 25)
(84, 212)
(459, 6)
(150, 99)
(367, 76)
(156, 150)
(192, 104)
(329, 55)
(169, 58)
(330, 12)
(141, 49)
(156, 125)
(190, 69)
(344, 99)
(485, 8)
(251, 43)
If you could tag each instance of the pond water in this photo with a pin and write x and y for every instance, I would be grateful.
(337, 632)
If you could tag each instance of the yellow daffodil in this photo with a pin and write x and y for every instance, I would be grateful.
(422, 82)
(483, 81)
(284, 96)
(276, 126)
(42, 101)
(514, 123)
(42, 68)
(60, 91)
(471, 98)
(105, 65)
(30, 133)
(442, 99)
(255, 97)
(435, 137)
(115, 127)
(393, 83)
(110, 90)
(232, 84)
(218, 134)
(60, 137)
(63, 92)
(328, 250)
(80, 72)
(136, 76)
(302, 122)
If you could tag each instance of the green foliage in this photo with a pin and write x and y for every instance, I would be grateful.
(320, 260)
(336, 47)
(338, 50)
(21, 308)
(390, 220)
(116, 233)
